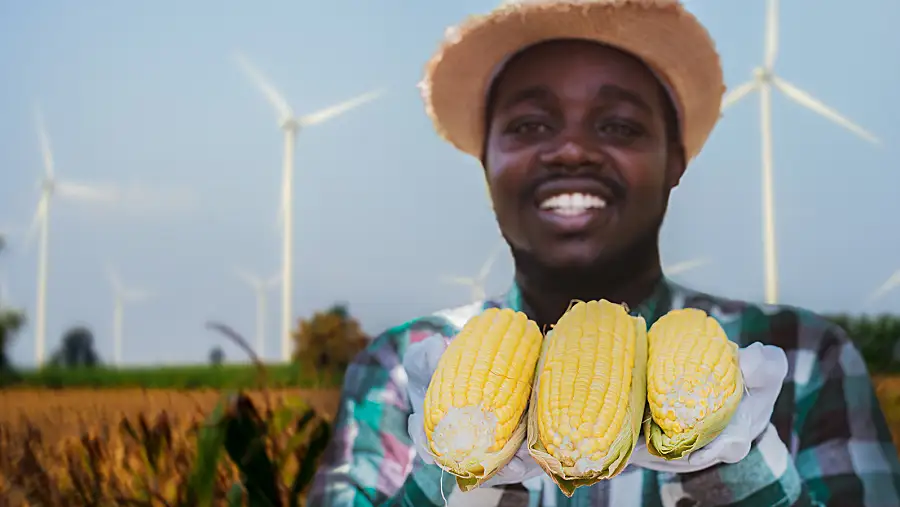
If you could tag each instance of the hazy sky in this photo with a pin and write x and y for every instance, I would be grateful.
(147, 93)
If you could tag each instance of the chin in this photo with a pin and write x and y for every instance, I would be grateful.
(567, 256)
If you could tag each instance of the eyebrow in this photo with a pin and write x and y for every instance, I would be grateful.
(531, 94)
(620, 94)
(607, 92)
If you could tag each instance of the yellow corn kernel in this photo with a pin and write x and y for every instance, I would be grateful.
(589, 394)
(476, 402)
(694, 382)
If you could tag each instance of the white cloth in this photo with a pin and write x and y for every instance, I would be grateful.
(420, 361)
(764, 368)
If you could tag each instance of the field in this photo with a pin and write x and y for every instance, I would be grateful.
(62, 413)
(95, 446)
(888, 390)
(151, 447)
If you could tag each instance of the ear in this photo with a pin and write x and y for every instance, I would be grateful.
(675, 165)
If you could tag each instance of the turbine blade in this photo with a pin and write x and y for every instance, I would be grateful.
(46, 152)
(248, 278)
(113, 276)
(275, 98)
(890, 284)
(93, 193)
(685, 266)
(738, 93)
(771, 33)
(4, 290)
(489, 263)
(273, 281)
(808, 101)
(458, 280)
(338, 109)
(135, 295)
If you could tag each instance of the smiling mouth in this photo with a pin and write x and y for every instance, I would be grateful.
(572, 204)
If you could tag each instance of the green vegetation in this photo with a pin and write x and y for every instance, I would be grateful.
(202, 376)
(877, 337)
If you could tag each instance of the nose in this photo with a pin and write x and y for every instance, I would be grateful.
(571, 153)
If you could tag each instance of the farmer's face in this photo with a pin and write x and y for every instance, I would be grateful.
(579, 158)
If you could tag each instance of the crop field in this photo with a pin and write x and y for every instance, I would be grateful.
(78, 446)
(888, 390)
(63, 413)
(156, 447)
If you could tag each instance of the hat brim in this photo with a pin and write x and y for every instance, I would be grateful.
(670, 40)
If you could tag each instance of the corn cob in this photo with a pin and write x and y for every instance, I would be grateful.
(476, 401)
(694, 383)
(589, 395)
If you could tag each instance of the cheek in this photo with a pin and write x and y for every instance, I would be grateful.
(648, 181)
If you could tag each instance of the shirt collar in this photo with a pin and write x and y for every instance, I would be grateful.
(666, 296)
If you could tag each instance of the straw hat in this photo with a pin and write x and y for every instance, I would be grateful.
(669, 39)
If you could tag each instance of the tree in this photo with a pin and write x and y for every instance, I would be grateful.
(216, 356)
(11, 321)
(76, 349)
(329, 340)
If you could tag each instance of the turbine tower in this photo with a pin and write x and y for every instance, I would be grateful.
(260, 287)
(291, 125)
(764, 80)
(476, 283)
(683, 267)
(121, 295)
(51, 187)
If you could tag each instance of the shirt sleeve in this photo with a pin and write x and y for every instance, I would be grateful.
(370, 454)
(371, 460)
(839, 452)
(765, 477)
(844, 454)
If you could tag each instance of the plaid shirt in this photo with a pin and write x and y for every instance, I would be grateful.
(831, 445)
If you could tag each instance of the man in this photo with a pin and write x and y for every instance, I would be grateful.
(585, 115)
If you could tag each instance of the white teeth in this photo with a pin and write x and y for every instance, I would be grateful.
(573, 204)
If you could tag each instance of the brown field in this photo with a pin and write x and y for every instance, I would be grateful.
(79, 447)
(888, 390)
(59, 442)
(65, 412)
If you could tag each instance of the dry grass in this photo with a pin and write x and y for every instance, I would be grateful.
(888, 390)
(70, 443)
(82, 447)
(63, 413)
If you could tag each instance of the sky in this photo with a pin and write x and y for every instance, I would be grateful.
(147, 95)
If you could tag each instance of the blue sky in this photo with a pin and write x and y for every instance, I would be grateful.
(147, 92)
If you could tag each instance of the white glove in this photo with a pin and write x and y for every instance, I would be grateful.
(420, 361)
(764, 368)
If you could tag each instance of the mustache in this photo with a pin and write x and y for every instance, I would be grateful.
(618, 189)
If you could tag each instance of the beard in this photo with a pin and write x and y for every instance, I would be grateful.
(608, 270)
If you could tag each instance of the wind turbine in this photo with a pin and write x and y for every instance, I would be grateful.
(764, 80)
(685, 266)
(121, 295)
(890, 284)
(291, 125)
(260, 286)
(52, 187)
(4, 290)
(476, 283)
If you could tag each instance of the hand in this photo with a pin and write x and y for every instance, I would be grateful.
(764, 368)
(420, 361)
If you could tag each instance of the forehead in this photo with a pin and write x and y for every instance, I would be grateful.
(575, 69)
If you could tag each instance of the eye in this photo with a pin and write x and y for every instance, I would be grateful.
(528, 127)
(620, 129)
